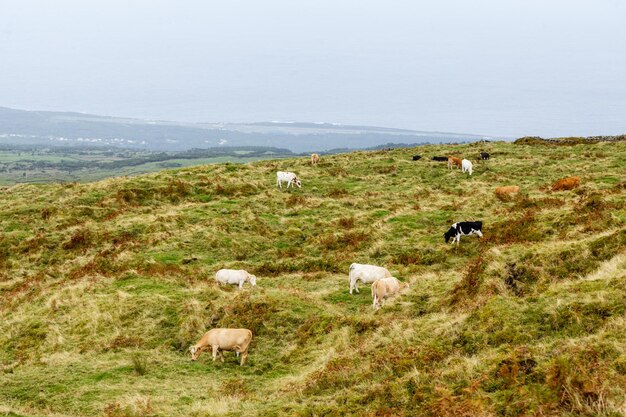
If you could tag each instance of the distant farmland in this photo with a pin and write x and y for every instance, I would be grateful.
(38, 164)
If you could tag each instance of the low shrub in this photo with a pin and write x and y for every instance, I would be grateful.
(338, 193)
(464, 290)
(140, 364)
(521, 277)
(80, 239)
(517, 230)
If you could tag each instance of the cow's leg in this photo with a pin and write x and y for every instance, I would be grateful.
(240, 285)
(356, 287)
(215, 350)
(351, 287)
(244, 356)
(221, 353)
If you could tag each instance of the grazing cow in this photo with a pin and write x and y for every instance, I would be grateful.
(466, 166)
(365, 274)
(288, 177)
(220, 340)
(440, 158)
(463, 229)
(385, 288)
(568, 183)
(315, 158)
(504, 192)
(234, 277)
(484, 156)
(453, 161)
(417, 157)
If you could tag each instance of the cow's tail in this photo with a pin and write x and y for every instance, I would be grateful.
(350, 273)
(375, 293)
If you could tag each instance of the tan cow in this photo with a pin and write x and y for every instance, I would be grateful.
(385, 288)
(315, 158)
(452, 161)
(219, 340)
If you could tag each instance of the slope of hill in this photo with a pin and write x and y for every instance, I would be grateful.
(74, 129)
(105, 285)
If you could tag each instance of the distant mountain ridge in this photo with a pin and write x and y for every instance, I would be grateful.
(25, 127)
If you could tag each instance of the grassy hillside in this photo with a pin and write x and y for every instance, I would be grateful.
(104, 285)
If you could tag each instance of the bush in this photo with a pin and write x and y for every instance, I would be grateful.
(465, 289)
(519, 278)
(134, 196)
(517, 230)
(80, 239)
(176, 190)
(140, 364)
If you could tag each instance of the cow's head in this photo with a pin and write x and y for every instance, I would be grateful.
(252, 279)
(449, 234)
(195, 352)
(297, 182)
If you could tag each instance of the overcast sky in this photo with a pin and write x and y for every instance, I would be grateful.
(516, 67)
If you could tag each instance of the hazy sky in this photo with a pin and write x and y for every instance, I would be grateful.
(498, 67)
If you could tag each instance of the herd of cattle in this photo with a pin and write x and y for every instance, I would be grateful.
(384, 285)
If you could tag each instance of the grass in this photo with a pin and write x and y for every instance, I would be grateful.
(104, 285)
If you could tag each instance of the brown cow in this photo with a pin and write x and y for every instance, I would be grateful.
(568, 183)
(452, 161)
(385, 288)
(315, 158)
(505, 192)
(219, 340)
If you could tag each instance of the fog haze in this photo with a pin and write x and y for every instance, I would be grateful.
(489, 67)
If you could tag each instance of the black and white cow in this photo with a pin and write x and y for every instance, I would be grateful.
(440, 158)
(417, 157)
(484, 156)
(463, 229)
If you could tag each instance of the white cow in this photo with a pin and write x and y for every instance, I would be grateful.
(288, 177)
(234, 277)
(466, 166)
(365, 274)
(385, 288)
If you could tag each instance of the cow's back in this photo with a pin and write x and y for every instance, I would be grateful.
(391, 285)
(229, 338)
(369, 273)
(230, 276)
